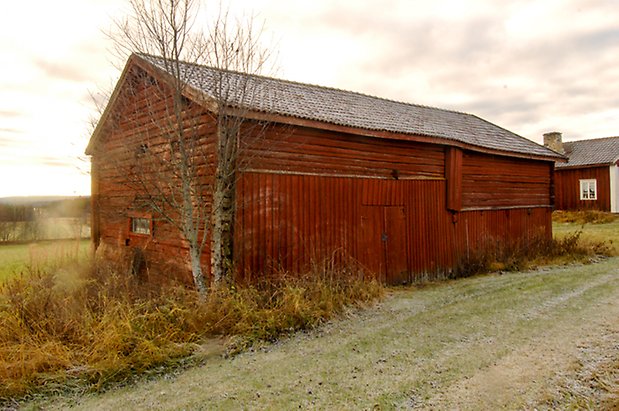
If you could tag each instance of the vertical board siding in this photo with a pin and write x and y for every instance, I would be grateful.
(567, 192)
(453, 174)
(289, 222)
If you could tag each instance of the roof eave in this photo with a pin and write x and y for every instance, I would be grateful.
(109, 106)
(322, 125)
(199, 97)
(592, 165)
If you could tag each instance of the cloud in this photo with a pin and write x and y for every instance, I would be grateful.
(66, 71)
(9, 130)
(526, 66)
(523, 65)
(57, 162)
(10, 114)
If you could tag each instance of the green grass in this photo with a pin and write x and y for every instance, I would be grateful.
(606, 232)
(17, 258)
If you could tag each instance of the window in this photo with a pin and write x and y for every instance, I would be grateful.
(588, 189)
(140, 225)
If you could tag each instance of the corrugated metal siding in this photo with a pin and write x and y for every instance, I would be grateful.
(480, 229)
(567, 188)
(289, 222)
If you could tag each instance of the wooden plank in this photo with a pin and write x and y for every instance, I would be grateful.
(453, 175)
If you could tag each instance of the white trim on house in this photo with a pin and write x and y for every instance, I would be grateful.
(588, 189)
(614, 188)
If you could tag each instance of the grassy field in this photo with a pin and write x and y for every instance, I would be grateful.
(544, 338)
(508, 341)
(608, 232)
(15, 258)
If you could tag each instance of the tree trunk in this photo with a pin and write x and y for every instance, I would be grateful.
(223, 231)
(196, 269)
(223, 201)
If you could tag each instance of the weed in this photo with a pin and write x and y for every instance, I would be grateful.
(99, 326)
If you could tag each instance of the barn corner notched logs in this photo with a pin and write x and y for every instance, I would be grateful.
(406, 191)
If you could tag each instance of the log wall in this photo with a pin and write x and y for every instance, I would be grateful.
(493, 181)
(133, 163)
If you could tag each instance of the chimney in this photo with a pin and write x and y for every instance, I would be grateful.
(554, 141)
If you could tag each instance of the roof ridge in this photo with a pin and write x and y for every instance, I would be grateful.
(318, 86)
(591, 139)
(364, 111)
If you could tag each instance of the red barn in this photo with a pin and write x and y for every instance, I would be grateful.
(408, 191)
(589, 180)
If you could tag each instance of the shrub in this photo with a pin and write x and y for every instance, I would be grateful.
(97, 326)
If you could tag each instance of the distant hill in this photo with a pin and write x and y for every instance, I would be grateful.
(37, 201)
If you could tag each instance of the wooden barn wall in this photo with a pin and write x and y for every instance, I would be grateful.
(568, 188)
(398, 229)
(306, 196)
(305, 150)
(121, 163)
(482, 230)
(494, 181)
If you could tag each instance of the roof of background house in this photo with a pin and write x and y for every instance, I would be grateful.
(345, 108)
(599, 151)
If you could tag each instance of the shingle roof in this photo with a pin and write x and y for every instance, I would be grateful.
(599, 151)
(345, 108)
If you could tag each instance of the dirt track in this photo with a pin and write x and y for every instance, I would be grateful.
(546, 339)
(558, 369)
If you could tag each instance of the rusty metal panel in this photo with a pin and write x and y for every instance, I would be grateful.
(496, 229)
(313, 219)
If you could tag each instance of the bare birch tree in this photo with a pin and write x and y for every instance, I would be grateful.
(171, 178)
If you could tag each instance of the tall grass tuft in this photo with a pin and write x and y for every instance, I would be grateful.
(96, 325)
(537, 250)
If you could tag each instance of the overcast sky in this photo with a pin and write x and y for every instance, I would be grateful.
(528, 66)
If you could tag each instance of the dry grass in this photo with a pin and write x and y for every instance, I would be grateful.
(568, 248)
(95, 326)
(433, 347)
(597, 231)
(583, 217)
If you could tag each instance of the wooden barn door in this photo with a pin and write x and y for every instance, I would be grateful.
(385, 243)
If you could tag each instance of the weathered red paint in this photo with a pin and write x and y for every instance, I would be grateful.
(567, 183)
(404, 210)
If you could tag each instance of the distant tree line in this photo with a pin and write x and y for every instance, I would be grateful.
(69, 208)
(25, 222)
(10, 212)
